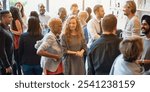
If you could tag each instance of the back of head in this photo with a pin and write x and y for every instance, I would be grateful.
(83, 15)
(89, 10)
(109, 23)
(131, 4)
(34, 13)
(34, 26)
(96, 7)
(131, 48)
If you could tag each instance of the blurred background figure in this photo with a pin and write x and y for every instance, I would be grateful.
(62, 13)
(89, 11)
(44, 18)
(74, 9)
(83, 15)
(20, 6)
(1, 5)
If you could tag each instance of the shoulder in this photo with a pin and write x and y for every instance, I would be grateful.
(135, 19)
(49, 37)
(96, 45)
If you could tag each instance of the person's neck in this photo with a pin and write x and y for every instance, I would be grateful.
(73, 32)
(99, 18)
(130, 16)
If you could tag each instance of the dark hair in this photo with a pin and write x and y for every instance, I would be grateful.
(16, 16)
(22, 9)
(146, 18)
(131, 48)
(89, 10)
(35, 14)
(109, 23)
(34, 26)
(3, 13)
(96, 7)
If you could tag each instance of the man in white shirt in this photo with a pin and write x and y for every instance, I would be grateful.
(44, 18)
(93, 26)
(132, 26)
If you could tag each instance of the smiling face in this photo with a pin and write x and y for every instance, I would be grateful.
(145, 27)
(55, 25)
(41, 9)
(73, 24)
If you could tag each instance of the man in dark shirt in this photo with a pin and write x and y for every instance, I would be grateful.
(6, 43)
(103, 51)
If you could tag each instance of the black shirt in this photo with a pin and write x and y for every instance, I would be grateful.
(27, 51)
(102, 54)
(6, 46)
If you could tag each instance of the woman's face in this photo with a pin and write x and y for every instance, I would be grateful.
(19, 6)
(72, 24)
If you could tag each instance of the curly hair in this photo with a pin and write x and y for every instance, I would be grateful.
(67, 31)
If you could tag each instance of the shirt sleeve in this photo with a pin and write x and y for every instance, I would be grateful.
(47, 43)
(90, 69)
(92, 31)
(3, 55)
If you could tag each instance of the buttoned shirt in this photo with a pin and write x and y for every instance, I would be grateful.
(93, 30)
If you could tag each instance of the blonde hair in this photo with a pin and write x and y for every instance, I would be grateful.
(67, 31)
(131, 48)
(131, 4)
(83, 15)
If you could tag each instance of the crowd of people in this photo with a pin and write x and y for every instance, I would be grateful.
(73, 44)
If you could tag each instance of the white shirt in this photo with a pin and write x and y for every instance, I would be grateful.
(93, 30)
(132, 27)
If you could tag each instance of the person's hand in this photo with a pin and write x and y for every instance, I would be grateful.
(79, 53)
(57, 58)
(9, 70)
